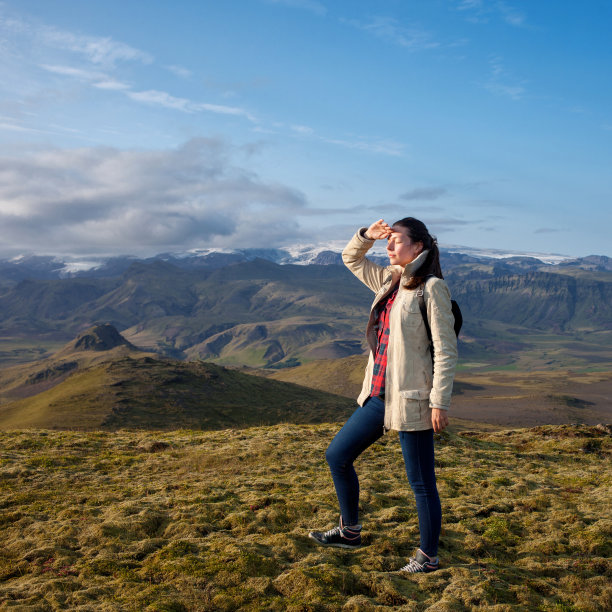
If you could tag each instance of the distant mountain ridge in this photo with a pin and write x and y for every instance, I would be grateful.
(52, 267)
(260, 313)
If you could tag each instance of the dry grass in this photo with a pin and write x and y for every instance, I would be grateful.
(505, 398)
(218, 520)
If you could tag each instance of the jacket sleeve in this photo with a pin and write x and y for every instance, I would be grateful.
(441, 321)
(354, 258)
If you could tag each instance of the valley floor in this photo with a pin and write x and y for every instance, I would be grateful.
(539, 397)
(192, 520)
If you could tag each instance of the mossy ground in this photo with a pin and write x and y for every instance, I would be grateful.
(218, 520)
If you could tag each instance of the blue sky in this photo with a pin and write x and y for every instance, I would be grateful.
(141, 127)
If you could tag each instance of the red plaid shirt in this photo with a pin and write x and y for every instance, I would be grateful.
(380, 358)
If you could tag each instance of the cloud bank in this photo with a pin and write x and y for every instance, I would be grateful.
(103, 200)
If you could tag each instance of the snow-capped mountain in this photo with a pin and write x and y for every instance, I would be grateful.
(49, 267)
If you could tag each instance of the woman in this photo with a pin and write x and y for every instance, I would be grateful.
(404, 388)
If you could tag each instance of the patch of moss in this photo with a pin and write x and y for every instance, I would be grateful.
(219, 521)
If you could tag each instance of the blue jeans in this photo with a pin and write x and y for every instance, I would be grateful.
(363, 428)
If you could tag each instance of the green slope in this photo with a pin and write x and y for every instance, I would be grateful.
(95, 345)
(147, 393)
(343, 376)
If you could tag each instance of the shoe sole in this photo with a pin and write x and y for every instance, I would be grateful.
(334, 545)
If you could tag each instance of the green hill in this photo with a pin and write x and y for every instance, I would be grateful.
(99, 380)
(213, 521)
(93, 346)
(146, 393)
(342, 376)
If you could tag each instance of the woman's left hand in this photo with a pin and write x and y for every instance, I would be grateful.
(439, 420)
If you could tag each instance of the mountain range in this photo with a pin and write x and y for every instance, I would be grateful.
(233, 309)
(48, 267)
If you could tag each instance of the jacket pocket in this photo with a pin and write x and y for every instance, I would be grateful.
(415, 394)
(411, 314)
(413, 404)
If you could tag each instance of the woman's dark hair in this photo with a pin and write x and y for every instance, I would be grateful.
(417, 232)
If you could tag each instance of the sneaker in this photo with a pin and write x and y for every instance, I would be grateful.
(340, 537)
(420, 563)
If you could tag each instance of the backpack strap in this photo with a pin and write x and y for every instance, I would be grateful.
(423, 308)
(457, 316)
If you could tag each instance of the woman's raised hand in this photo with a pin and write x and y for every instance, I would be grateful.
(378, 230)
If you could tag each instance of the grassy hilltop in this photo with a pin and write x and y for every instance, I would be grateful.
(218, 520)
(142, 509)
(100, 381)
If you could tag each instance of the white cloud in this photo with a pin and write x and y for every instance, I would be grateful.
(502, 83)
(510, 91)
(16, 127)
(385, 147)
(104, 201)
(391, 30)
(97, 79)
(180, 71)
(98, 50)
(224, 110)
(474, 10)
(154, 97)
(302, 129)
(511, 15)
(71, 71)
(92, 61)
(465, 5)
(111, 85)
(162, 98)
(479, 11)
(310, 5)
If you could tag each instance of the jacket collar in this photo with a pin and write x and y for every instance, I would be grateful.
(407, 272)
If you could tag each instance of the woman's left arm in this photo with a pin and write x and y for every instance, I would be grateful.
(441, 321)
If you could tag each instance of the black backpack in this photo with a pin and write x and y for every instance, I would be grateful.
(454, 307)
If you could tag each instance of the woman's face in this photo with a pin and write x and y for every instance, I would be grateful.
(400, 249)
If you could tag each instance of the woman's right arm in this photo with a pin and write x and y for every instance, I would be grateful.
(354, 254)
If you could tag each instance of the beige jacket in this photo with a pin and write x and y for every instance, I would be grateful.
(412, 384)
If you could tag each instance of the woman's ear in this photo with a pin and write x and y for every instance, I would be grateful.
(419, 247)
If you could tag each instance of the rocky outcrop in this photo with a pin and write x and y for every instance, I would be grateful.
(100, 338)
